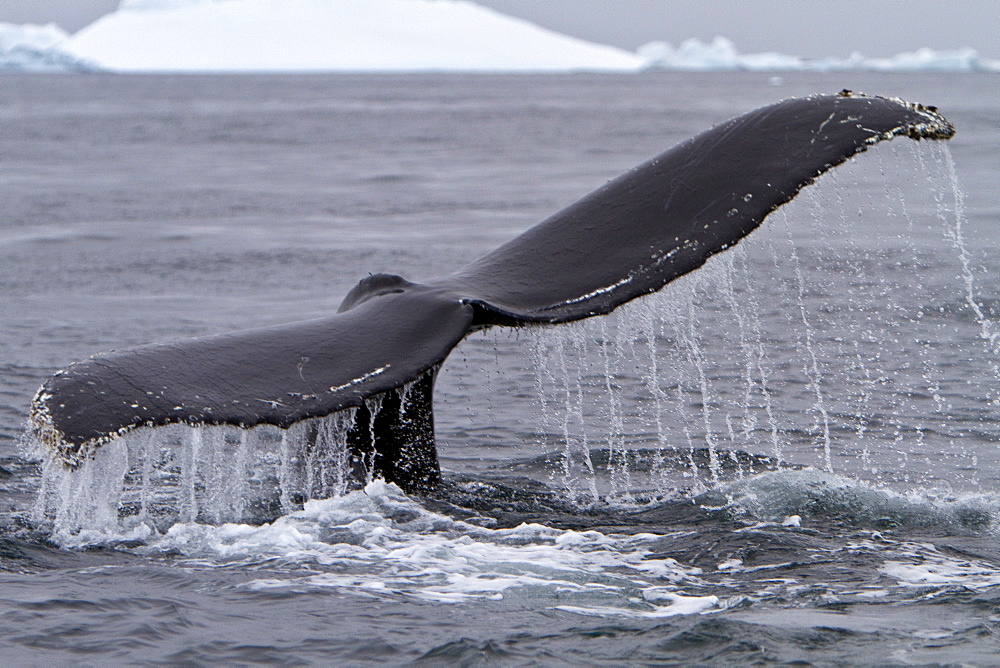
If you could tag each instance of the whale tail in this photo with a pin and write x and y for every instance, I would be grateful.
(631, 237)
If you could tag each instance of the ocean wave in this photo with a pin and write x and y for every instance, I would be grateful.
(378, 542)
(811, 493)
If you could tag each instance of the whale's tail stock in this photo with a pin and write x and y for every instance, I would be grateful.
(379, 355)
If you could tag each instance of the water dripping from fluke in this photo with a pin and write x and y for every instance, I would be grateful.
(151, 478)
(705, 369)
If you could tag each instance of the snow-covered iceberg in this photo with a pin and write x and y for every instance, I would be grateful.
(332, 35)
(721, 54)
(35, 48)
(954, 60)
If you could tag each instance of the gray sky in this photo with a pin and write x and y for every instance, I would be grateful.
(808, 28)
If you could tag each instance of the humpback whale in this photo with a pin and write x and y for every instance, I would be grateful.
(631, 237)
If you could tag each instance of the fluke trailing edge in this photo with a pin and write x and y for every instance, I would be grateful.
(659, 221)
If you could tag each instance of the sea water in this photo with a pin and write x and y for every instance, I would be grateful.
(788, 455)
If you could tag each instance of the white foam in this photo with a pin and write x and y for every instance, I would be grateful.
(730, 565)
(677, 605)
(930, 568)
(378, 541)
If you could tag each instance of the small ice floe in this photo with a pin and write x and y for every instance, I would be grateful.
(792, 521)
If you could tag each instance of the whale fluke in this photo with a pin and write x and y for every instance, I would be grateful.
(667, 216)
(276, 375)
(630, 237)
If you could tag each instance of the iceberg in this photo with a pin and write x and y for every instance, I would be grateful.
(957, 60)
(721, 54)
(30, 36)
(332, 35)
(36, 48)
(386, 36)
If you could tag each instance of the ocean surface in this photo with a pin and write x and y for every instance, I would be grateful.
(791, 455)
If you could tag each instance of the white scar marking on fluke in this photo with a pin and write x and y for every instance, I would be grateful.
(271, 402)
(599, 291)
(370, 374)
(821, 126)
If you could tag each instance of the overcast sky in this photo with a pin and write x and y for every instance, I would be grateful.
(808, 28)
